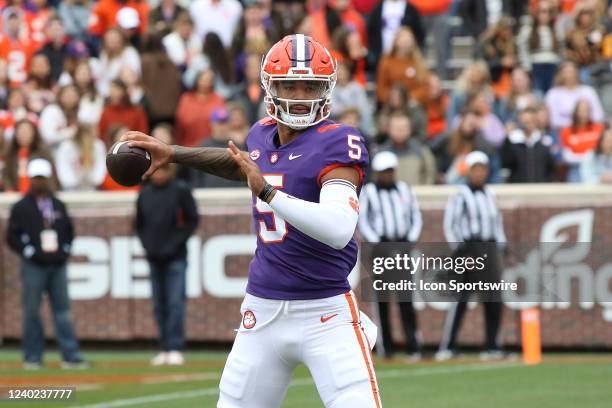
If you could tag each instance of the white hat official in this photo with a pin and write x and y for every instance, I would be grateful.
(384, 160)
(128, 18)
(476, 157)
(39, 168)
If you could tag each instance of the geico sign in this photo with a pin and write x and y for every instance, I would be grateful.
(119, 269)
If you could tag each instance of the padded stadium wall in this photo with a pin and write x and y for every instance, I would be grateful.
(111, 295)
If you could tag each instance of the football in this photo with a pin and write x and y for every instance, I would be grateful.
(126, 165)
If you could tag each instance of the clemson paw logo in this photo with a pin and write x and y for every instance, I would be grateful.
(249, 320)
(354, 204)
(254, 155)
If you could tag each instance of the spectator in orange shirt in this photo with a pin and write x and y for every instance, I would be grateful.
(14, 48)
(579, 139)
(403, 65)
(119, 110)
(26, 144)
(104, 15)
(194, 111)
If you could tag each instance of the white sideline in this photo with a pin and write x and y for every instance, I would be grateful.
(298, 382)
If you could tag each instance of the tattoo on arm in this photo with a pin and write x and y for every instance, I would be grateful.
(212, 160)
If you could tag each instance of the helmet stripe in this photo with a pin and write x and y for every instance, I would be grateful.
(294, 50)
(307, 52)
(301, 48)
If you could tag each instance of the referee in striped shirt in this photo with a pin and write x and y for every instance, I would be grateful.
(473, 227)
(389, 213)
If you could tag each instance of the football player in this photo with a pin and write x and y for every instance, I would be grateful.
(305, 172)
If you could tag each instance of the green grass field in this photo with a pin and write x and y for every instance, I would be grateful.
(119, 379)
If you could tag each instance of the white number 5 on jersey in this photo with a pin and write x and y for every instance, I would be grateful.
(354, 147)
(279, 231)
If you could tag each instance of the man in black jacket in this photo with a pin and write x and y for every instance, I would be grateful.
(41, 232)
(166, 216)
(526, 152)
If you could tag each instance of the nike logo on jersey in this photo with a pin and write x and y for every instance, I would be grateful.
(326, 318)
(291, 156)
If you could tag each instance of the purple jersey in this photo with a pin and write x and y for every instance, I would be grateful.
(288, 264)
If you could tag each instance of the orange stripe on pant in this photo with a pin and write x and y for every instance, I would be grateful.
(364, 352)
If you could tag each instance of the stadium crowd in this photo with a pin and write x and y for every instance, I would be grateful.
(75, 74)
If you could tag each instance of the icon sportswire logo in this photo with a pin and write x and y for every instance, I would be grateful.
(292, 156)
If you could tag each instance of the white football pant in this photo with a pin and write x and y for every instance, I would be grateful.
(327, 335)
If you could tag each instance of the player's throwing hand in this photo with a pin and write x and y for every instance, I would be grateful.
(249, 168)
(161, 153)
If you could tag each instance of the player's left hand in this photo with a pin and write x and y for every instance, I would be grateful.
(254, 178)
